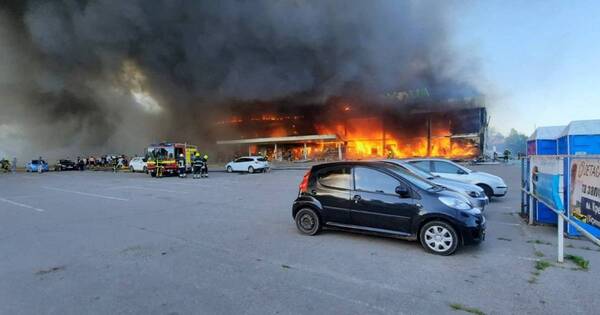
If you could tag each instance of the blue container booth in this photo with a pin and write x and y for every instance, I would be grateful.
(543, 141)
(580, 137)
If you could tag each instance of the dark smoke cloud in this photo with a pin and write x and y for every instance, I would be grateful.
(61, 69)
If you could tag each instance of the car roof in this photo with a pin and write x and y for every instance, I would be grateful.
(351, 163)
(425, 159)
(396, 161)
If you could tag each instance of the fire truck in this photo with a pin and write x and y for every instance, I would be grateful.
(166, 154)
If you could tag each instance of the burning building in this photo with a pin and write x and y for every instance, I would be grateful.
(350, 129)
(86, 77)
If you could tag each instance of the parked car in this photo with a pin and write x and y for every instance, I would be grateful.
(34, 166)
(493, 185)
(248, 164)
(475, 193)
(138, 164)
(381, 198)
(65, 165)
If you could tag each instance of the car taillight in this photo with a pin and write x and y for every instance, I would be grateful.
(304, 183)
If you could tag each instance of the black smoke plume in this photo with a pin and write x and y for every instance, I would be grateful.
(105, 76)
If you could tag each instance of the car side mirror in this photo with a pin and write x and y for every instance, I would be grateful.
(461, 172)
(402, 191)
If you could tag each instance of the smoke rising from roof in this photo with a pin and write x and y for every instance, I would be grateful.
(103, 76)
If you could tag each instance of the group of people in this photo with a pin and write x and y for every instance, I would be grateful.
(505, 156)
(116, 161)
(199, 165)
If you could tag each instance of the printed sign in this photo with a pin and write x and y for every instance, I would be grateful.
(585, 191)
(545, 181)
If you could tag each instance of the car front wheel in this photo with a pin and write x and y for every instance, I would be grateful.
(487, 190)
(307, 221)
(229, 169)
(250, 169)
(439, 238)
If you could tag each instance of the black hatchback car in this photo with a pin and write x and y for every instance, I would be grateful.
(380, 198)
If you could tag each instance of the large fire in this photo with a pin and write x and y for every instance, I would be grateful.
(356, 134)
(366, 138)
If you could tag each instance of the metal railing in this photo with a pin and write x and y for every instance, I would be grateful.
(561, 225)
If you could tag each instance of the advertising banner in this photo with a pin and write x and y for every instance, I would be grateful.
(545, 180)
(585, 192)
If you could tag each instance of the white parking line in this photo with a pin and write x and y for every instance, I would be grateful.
(85, 194)
(148, 188)
(21, 205)
(505, 223)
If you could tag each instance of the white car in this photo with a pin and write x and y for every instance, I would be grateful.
(492, 185)
(138, 164)
(248, 164)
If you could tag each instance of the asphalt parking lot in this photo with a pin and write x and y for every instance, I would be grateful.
(105, 243)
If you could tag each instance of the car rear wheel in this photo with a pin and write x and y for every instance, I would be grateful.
(131, 169)
(250, 169)
(439, 238)
(145, 170)
(307, 221)
(229, 169)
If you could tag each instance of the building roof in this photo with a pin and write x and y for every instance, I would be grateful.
(582, 127)
(547, 133)
(291, 139)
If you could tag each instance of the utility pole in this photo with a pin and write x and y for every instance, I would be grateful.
(429, 136)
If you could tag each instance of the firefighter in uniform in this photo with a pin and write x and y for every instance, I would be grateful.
(204, 172)
(197, 165)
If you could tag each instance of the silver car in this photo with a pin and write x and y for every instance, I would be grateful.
(475, 193)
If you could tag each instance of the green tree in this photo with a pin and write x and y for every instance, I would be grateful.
(516, 142)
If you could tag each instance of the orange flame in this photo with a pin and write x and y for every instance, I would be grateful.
(365, 138)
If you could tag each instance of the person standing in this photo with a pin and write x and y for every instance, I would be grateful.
(204, 172)
(80, 163)
(506, 155)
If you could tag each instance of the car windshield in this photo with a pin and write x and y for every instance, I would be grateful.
(262, 159)
(160, 152)
(415, 180)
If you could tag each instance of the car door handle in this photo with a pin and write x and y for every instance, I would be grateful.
(356, 198)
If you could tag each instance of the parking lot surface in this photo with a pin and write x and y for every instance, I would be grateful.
(105, 243)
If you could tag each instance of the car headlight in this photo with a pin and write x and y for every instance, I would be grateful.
(455, 203)
(475, 194)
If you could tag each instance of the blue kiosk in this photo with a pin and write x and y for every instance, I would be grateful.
(543, 141)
